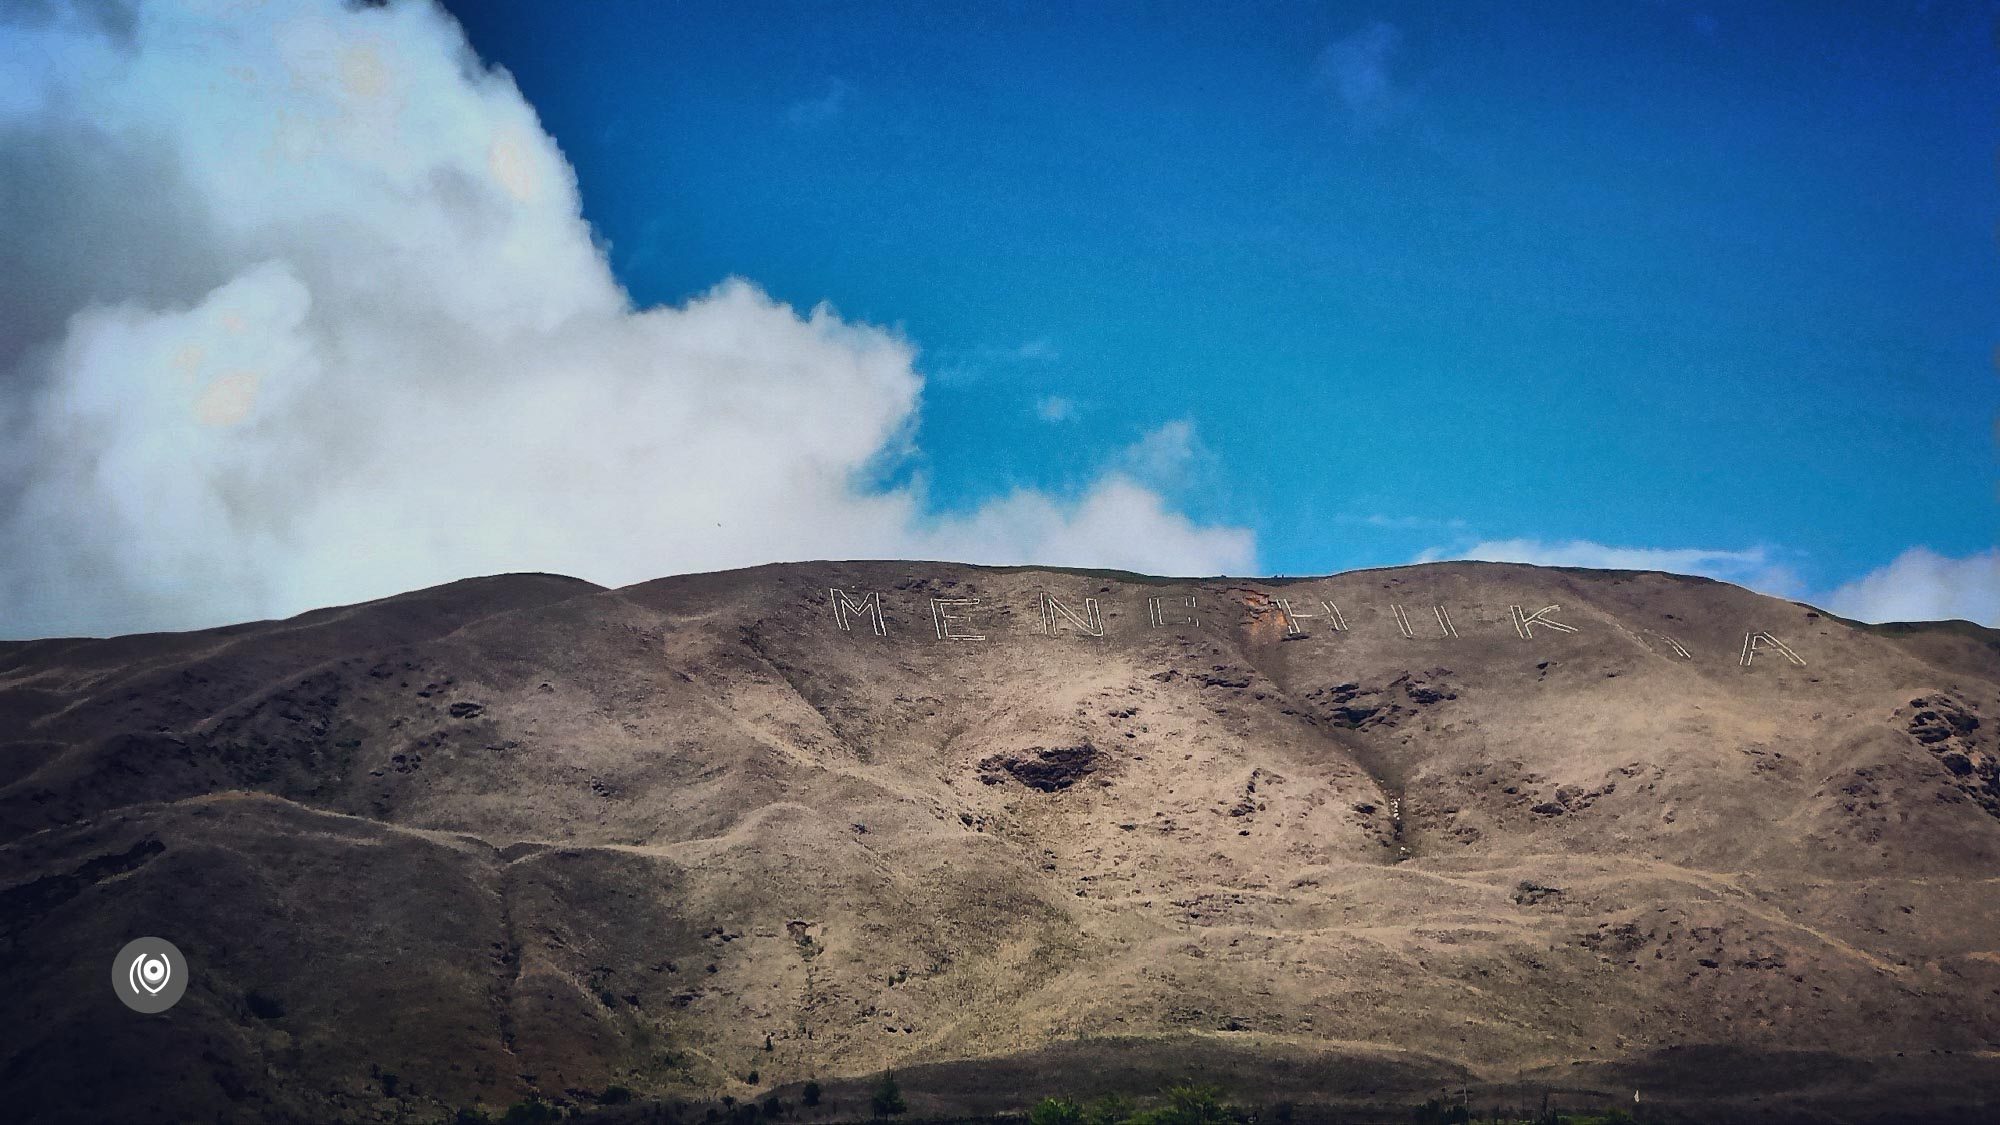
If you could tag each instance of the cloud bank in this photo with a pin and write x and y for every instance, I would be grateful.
(301, 309)
(1753, 568)
(1921, 585)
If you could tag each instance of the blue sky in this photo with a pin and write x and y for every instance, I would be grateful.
(1656, 275)
(625, 289)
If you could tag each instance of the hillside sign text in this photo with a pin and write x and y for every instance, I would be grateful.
(957, 619)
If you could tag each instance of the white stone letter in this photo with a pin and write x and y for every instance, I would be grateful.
(1445, 627)
(948, 623)
(1091, 623)
(1524, 623)
(1157, 614)
(1753, 642)
(1327, 610)
(1680, 650)
(870, 606)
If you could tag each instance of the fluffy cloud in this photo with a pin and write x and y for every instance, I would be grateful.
(820, 110)
(301, 309)
(1055, 408)
(1752, 568)
(1120, 525)
(1356, 68)
(1172, 454)
(1922, 585)
(1405, 523)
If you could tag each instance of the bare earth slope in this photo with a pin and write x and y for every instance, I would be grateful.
(522, 834)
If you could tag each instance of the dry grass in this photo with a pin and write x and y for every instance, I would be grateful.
(521, 835)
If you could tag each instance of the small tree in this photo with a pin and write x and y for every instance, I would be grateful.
(1436, 1112)
(1111, 1109)
(887, 1100)
(1056, 1111)
(810, 1095)
(534, 1111)
(1193, 1105)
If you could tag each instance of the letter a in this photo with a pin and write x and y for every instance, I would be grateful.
(870, 606)
(1752, 642)
(1524, 623)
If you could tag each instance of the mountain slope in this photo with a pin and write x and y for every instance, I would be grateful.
(525, 834)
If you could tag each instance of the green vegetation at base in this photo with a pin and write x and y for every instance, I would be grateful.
(1435, 1112)
(887, 1100)
(1183, 1103)
(534, 1111)
(1191, 1104)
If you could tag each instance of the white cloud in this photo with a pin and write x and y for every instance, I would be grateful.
(822, 109)
(1753, 568)
(1038, 350)
(1166, 457)
(1356, 68)
(1119, 524)
(301, 309)
(967, 366)
(1406, 523)
(1055, 408)
(1922, 585)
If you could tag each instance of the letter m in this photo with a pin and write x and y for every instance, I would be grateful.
(869, 607)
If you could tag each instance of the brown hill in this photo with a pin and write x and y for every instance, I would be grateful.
(718, 834)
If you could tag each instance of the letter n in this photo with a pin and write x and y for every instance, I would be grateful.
(1091, 623)
(1524, 623)
(870, 607)
(1753, 643)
